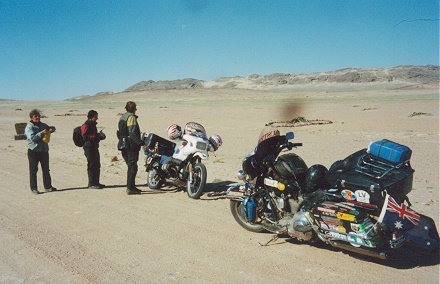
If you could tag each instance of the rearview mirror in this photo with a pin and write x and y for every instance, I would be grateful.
(290, 135)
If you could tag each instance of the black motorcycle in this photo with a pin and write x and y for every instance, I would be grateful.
(356, 205)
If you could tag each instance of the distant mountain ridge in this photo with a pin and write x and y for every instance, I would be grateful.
(402, 75)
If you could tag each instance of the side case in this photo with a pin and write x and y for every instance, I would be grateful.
(353, 185)
(162, 145)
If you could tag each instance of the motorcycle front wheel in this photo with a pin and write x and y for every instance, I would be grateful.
(154, 181)
(194, 188)
(236, 212)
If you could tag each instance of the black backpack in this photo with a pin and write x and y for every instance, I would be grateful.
(77, 137)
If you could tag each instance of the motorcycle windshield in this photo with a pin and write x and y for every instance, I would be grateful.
(269, 147)
(268, 132)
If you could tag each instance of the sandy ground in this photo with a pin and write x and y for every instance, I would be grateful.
(80, 235)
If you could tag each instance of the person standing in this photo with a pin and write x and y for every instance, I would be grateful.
(37, 134)
(129, 144)
(92, 138)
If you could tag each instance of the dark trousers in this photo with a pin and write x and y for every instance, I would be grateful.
(93, 164)
(43, 159)
(131, 157)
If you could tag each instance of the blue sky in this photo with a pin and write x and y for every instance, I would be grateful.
(62, 49)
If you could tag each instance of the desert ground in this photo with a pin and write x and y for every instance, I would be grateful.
(81, 235)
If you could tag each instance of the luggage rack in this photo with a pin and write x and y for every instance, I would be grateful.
(376, 167)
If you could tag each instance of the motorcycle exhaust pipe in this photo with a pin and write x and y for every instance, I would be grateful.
(175, 161)
(377, 254)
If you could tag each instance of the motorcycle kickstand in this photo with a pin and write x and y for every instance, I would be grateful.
(274, 238)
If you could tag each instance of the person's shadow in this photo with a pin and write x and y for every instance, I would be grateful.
(67, 189)
(86, 187)
(212, 191)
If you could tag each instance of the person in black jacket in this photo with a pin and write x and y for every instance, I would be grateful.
(129, 144)
(92, 137)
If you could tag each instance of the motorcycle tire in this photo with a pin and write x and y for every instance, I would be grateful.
(236, 212)
(195, 188)
(154, 181)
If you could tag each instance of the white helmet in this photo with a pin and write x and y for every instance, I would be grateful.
(174, 131)
(216, 141)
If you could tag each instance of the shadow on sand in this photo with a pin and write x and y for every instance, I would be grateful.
(216, 190)
(406, 257)
(212, 191)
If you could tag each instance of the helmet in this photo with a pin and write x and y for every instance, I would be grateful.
(291, 166)
(251, 166)
(216, 141)
(194, 128)
(174, 131)
(315, 178)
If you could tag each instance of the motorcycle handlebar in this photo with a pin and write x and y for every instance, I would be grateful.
(290, 145)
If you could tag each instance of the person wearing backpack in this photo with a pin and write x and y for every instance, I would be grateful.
(130, 143)
(92, 137)
(37, 134)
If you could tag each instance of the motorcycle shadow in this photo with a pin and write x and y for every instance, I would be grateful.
(216, 189)
(212, 191)
(166, 188)
(407, 257)
(412, 256)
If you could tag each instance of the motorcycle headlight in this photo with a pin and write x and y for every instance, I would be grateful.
(201, 146)
(241, 175)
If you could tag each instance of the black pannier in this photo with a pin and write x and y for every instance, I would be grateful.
(161, 145)
(366, 178)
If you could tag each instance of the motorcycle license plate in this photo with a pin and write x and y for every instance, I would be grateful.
(201, 146)
(235, 193)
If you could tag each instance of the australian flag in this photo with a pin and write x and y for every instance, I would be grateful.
(414, 226)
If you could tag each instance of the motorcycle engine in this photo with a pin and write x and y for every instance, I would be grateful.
(296, 225)
(173, 173)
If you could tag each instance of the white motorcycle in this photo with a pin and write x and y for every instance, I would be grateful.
(166, 163)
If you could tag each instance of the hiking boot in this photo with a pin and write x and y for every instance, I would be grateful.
(133, 191)
(96, 186)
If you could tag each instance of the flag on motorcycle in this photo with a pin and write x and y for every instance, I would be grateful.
(414, 226)
(424, 234)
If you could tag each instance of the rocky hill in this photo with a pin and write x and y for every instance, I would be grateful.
(396, 76)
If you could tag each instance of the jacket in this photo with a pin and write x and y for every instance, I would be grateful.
(90, 134)
(129, 133)
(34, 135)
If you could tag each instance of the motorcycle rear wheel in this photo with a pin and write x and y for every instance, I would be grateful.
(236, 212)
(195, 188)
(154, 181)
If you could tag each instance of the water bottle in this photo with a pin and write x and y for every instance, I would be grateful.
(46, 137)
(248, 209)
